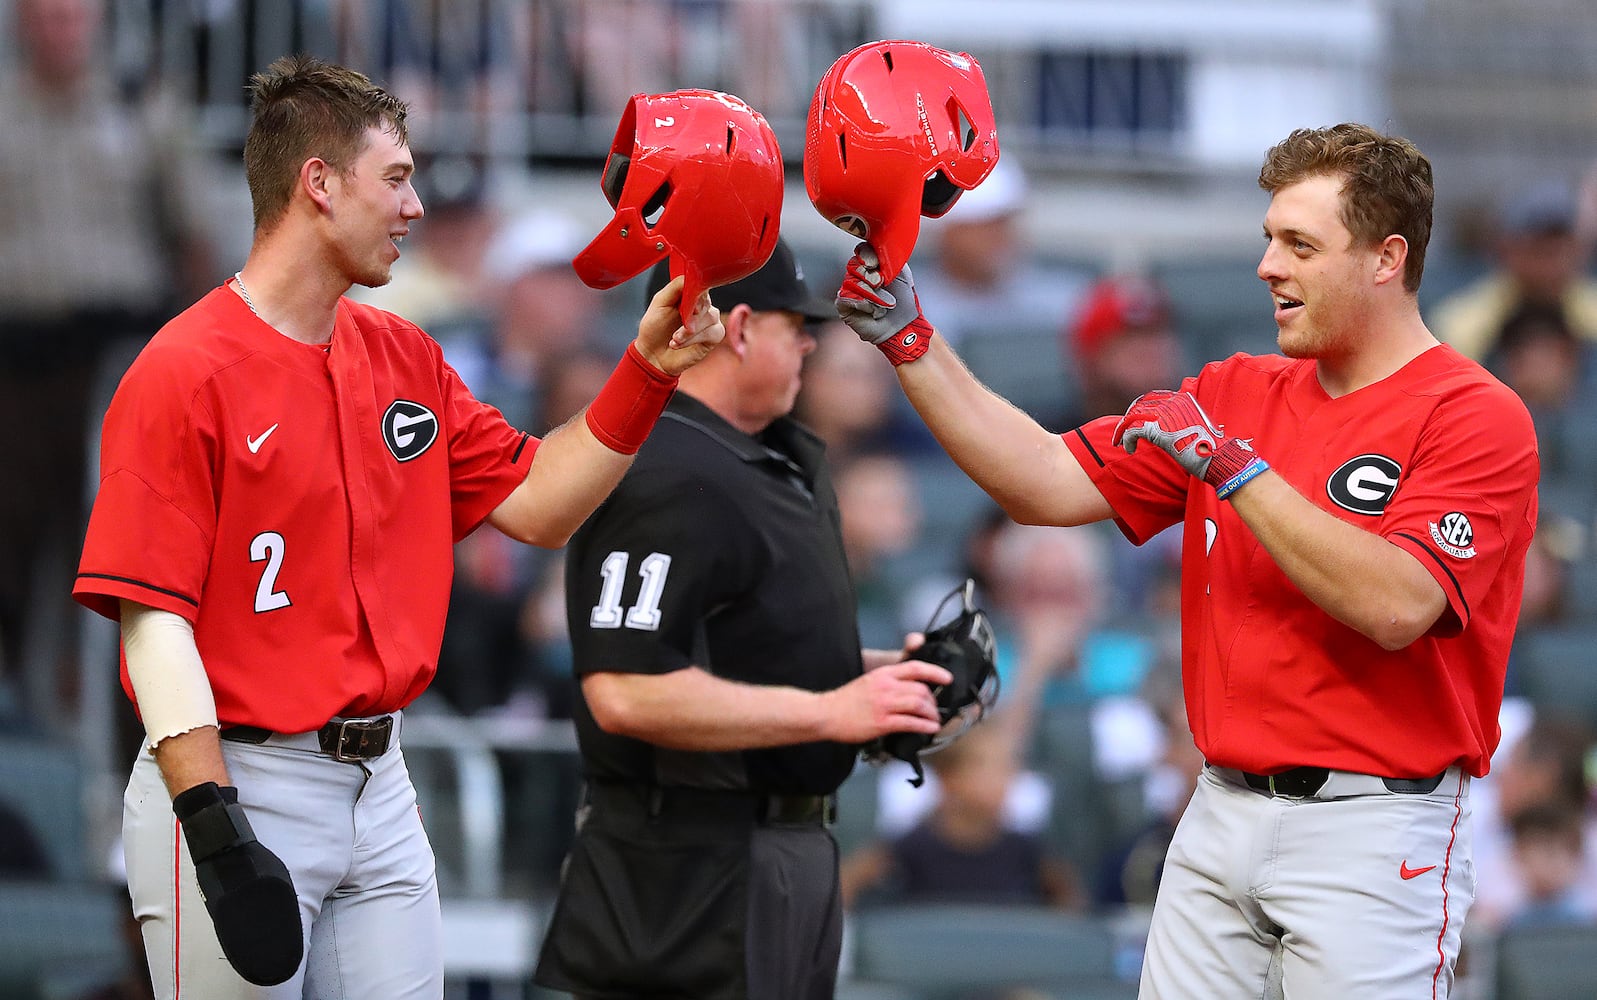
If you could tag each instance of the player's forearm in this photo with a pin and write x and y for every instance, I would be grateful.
(1026, 468)
(190, 759)
(690, 709)
(571, 475)
(1355, 576)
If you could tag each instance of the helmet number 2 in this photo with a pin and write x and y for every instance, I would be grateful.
(267, 547)
(645, 612)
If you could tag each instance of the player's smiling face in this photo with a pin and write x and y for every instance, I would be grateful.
(375, 208)
(1319, 280)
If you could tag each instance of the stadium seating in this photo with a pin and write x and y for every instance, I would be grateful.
(943, 952)
(52, 928)
(1024, 366)
(856, 809)
(1557, 670)
(1220, 306)
(1547, 963)
(44, 782)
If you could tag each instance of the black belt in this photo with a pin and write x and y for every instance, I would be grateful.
(705, 805)
(1297, 782)
(1301, 782)
(342, 739)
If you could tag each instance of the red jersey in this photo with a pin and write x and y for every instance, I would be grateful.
(298, 503)
(1439, 458)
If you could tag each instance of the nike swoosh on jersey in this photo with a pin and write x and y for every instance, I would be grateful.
(1404, 870)
(255, 443)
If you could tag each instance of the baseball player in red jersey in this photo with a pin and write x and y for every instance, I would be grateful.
(284, 474)
(1356, 518)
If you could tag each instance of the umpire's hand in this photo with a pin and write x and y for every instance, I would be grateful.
(896, 698)
(247, 889)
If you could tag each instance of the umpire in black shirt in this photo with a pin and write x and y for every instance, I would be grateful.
(723, 693)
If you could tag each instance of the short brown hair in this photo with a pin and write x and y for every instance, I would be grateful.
(1387, 187)
(303, 107)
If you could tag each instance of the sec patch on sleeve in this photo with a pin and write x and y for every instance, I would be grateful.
(1454, 535)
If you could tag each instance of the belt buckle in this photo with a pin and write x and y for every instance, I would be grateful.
(1295, 783)
(1277, 791)
(356, 731)
(770, 808)
(800, 809)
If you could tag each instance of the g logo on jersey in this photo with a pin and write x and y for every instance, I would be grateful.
(408, 429)
(1364, 485)
(1454, 535)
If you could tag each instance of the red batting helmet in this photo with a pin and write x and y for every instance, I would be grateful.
(695, 175)
(897, 130)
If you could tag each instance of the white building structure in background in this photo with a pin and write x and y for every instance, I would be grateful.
(1206, 86)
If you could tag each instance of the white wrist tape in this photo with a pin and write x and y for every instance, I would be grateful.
(169, 681)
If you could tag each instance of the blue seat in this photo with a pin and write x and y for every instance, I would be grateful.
(44, 783)
(1220, 306)
(1023, 366)
(1547, 963)
(853, 990)
(856, 809)
(50, 928)
(949, 950)
(1103, 989)
(951, 503)
(1557, 670)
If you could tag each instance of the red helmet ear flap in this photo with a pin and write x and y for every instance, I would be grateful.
(695, 175)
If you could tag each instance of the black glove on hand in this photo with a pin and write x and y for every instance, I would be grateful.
(247, 889)
(886, 314)
(966, 648)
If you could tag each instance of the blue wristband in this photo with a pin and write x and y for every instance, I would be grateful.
(1237, 481)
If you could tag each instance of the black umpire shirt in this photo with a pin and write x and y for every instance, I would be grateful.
(722, 551)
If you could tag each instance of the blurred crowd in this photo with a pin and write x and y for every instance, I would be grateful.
(1067, 795)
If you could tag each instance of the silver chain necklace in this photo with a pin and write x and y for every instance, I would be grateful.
(238, 276)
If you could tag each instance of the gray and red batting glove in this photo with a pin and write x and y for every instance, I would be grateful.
(886, 314)
(1175, 423)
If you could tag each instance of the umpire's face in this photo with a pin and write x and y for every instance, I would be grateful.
(773, 347)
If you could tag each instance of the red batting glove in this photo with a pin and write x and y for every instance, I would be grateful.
(1176, 424)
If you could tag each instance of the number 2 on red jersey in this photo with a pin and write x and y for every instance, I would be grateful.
(267, 547)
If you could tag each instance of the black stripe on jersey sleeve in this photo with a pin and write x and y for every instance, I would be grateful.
(519, 448)
(140, 583)
(1088, 445)
(1438, 559)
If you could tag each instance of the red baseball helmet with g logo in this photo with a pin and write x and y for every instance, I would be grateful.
(897, 130)
(693, 175)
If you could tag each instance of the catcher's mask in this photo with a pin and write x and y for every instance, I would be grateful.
(964, 646)
(693, 175)
(897, 130)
